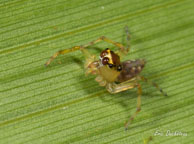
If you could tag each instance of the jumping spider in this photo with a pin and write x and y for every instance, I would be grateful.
(116, 76)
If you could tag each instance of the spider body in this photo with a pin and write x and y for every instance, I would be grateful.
(111, 73)
(131, 69)
(116, 76)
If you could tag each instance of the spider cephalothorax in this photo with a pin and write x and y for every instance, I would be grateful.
(112, 70)
(108, 57)
(109, 67)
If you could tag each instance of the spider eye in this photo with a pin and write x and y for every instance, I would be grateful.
(110, 65)
(103, 54)
(105, 60)
(119, 68)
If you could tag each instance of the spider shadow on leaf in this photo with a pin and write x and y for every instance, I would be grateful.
(121, 98)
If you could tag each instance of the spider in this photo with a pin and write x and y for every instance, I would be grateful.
(114, 75)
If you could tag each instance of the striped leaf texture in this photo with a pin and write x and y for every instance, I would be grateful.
(60, 104)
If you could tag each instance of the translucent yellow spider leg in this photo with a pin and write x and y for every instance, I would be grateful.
(153, 84)
(102, 38)
(139, 91)
(116, 88)
(61, 52)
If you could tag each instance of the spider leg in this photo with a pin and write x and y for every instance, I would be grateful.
(124, 51)
(85, 52)
(90, 64)
(153, 84)
(139, 91)
(116, 88)
(61, 52)
(105, 39)
(75, 48)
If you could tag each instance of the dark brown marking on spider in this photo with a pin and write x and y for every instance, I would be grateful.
(115, 58)
(111, 59)
(130, 69)
(105, 60)
(104, 53)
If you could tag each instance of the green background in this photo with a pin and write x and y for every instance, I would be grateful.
(59, 104)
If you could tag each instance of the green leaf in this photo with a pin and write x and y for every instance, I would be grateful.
(59, 104)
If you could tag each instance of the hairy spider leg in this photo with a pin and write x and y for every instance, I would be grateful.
(153, 84)
(139, 92)
(102, 38)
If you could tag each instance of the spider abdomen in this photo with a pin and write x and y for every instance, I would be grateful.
(130, 69)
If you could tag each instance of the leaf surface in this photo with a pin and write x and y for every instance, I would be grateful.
(59, 104)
